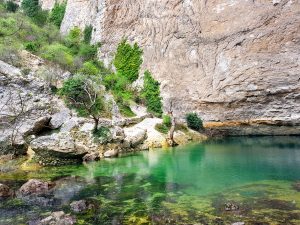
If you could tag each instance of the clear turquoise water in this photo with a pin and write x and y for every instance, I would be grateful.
(185, 185)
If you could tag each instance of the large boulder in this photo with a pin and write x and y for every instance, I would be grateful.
(134, 136)
(57, 149)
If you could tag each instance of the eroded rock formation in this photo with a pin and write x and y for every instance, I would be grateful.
(231, 60)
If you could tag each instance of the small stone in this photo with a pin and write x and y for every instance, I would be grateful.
(231, 207)
(58, 218)
(78, 206)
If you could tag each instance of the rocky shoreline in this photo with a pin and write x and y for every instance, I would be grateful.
(35, 119)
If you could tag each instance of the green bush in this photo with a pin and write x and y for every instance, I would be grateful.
(162, 128)
(128, 60)
(102, 134)
(57, 14)
(11, 6)
(125, 110)
(87, 52)
(40, 17)
(194, 121)
(167, 121)
(60, 54)
(73, 40)
(87, 34)
(151, 94)
(32, 46)
(30, 7)
(89, 68)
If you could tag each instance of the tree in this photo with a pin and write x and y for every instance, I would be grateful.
(151, 94)
(11, 6)
(85, 95)
(128, 60)
(31, 7)
(57, 14)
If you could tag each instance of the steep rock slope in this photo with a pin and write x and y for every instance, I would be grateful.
(234, 60)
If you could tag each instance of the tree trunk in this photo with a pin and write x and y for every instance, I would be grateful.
(96, 120)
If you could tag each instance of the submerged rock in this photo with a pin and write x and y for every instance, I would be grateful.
(58, 218)
(231, 206)
(296, 186)
(79, 206)
(93, 156)
(5, 191)
(34, 187)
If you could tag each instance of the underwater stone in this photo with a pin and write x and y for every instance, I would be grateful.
(34, 187)
(5, 191)
(78, 206)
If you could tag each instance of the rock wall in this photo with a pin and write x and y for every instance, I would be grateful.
(228, 60)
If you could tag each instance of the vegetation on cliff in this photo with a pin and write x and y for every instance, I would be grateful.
(194, 121)
(73, 52)
(57, 14)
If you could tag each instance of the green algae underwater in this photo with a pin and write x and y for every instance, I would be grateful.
(255, 180)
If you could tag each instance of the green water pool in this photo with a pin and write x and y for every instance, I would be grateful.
(184, 185)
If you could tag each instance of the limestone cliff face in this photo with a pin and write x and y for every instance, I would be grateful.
(225, 59)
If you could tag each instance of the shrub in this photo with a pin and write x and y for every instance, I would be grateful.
(102, 134)
(40, 17)
(73, 40)
(31, 7)
(32, 46)
(128, 60)
(167, 121)
(87, 52)
(57, 14)
(87, 34)
(58, 53)
(11, 6)
(162, 128)
(89, 68)
(194, 121)
(125, 110)
(151, 93)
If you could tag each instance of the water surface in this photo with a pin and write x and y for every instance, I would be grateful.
(184, 185)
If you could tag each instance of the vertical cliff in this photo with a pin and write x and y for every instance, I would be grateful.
(228, 60)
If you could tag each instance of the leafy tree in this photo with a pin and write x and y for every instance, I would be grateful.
(194, 121)
(87, 34)
(57, 14)
(73, 39)
(128, 60)
(85, 95)
(31, 7)
(151, 93)
(11, 6)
